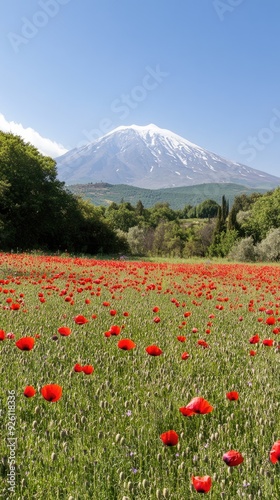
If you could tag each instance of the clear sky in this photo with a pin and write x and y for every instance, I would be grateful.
(208, 70)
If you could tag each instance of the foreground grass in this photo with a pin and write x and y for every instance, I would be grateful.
(101, 440)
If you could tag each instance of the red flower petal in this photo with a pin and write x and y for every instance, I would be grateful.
(80, 320)
(232, 458)
(29, 391)
(232, 396)
(197, 406)
(126, 344)
(275, 452)
(25, 343)
(169, 438)
(78, 368)
(51, 392)
(88, 369)
(153, 350)
(64, 331)
(202, 484)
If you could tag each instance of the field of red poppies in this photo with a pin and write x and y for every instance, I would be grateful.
(132, 380)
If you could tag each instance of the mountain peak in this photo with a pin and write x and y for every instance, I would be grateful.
(151, 130)
(148, 156)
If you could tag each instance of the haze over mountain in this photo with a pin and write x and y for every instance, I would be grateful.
(153, 158)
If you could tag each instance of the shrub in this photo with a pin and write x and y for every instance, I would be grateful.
(269, 248)
(243, 251)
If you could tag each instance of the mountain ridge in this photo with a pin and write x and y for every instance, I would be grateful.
(103, 194)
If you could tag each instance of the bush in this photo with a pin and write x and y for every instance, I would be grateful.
(243, 251)
(269, 248)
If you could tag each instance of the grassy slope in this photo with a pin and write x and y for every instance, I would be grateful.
(104, 194)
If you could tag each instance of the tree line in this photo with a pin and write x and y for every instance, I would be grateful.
(38, 212)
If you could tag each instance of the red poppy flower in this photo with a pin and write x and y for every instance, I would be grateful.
(78, 368)
(185, 355)
(10, 335)
(275, 452)
(202, 484)
(64, 331)
(267, 311)
(232, 458)
(196, 406)
(15, 306)
(107, 334)
(126, 314)
(195, 330)
(202, 343)
(115, 330)
(25, 343)
(170, 438)
(29, 391)
(126, 344)
(155, 309)
(113, 312)
(80, 320)
(187, 314)
(88, 369)
(153, 350)
(232, 396)
(51, 392)
(156, 319)
(181, 338)
(2, 334)
(268, 342)
(255, 339)
(253, 353)
(270, 321)
(106, 304)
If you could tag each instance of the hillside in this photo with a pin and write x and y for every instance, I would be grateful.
(103, 194)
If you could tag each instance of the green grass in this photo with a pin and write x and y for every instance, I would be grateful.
(101, 440)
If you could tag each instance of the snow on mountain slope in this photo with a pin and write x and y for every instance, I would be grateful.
(153, 158)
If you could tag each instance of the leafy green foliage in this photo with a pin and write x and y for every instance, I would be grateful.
(36, 211)
(207, 209)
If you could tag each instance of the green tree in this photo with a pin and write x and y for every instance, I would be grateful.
(207, 209)
(264, 215)
(31, 197)
(36, 211)
(161, 212)
(122, 219)
(139, 209)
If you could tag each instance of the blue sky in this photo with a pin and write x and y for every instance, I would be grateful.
(206, 69)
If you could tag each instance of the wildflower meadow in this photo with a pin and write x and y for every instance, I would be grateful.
(136, 380)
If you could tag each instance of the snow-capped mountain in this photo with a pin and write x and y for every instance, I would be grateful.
(153, 158)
